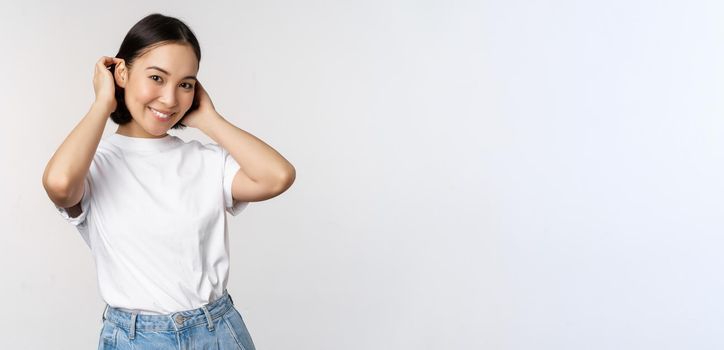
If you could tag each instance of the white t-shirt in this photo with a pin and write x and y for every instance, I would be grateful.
(154, 219)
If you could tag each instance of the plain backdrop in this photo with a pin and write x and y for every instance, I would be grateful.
(505, 175)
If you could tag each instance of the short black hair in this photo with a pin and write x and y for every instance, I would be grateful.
(151, 31)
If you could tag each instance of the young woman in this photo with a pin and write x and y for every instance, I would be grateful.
(152, 207)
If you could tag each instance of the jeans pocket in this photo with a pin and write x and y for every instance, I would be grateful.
(235, 323)
(107, 339)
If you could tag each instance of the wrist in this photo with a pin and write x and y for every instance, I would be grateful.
(211, 124)
(103, 106)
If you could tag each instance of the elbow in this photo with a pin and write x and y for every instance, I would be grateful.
(285, 179)
(59, 190)
(54, 184)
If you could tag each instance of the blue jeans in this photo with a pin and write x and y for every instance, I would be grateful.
(217, 325)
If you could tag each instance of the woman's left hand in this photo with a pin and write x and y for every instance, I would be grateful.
(206, 110)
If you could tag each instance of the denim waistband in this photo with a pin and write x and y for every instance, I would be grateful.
(175, 321)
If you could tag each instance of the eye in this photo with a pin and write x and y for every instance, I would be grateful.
(155, 76)
(189, 86)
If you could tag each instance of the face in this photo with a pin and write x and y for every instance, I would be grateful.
(159, 89)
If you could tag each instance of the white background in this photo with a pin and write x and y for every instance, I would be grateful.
(470, 174)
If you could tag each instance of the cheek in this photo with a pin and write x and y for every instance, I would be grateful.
(141, 94)
(145, 94)
(185, 100)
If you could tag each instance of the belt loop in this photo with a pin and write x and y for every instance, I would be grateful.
(132, 333)
(104, 312)
(208, 318)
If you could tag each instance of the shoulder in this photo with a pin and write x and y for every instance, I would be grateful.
(206, 151)
(106, 149)
(210, 148)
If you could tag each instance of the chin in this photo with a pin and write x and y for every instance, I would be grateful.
(156, 131)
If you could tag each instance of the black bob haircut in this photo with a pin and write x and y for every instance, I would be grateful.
(151, 31)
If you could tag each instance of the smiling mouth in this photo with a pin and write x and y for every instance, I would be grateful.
(161, 115)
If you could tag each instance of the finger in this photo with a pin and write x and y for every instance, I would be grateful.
(107, 61)
(102, 62)
(100, 66)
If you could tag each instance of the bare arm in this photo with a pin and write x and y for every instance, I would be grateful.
(263, 173)
(66, 170)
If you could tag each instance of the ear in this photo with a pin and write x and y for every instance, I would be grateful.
(121, 73)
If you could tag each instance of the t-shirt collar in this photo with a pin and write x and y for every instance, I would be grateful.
(143, 143)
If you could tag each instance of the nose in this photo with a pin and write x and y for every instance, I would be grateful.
(168, 96)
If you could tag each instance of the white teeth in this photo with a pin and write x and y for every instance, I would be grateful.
(159, 114)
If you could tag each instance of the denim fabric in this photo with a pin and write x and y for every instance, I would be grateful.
(217, 325)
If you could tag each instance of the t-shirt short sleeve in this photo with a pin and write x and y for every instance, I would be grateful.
(80, 220)
(231, 167)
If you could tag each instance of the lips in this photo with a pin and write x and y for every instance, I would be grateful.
(161, 114)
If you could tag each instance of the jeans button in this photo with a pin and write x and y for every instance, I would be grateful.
(179, 319)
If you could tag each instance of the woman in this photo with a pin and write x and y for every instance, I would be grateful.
(151, 206)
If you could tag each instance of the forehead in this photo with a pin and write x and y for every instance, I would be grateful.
(177, 59)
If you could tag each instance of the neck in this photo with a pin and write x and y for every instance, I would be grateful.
(132, 130)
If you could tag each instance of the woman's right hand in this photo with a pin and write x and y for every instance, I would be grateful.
(104, 83)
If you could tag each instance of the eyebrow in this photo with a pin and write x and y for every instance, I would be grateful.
(165, 72)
